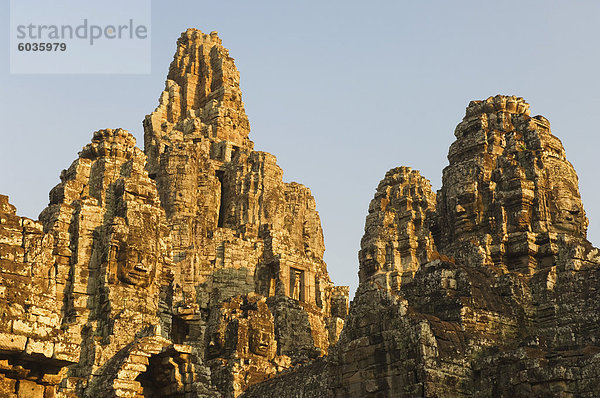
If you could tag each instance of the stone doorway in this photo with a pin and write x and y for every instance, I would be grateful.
(164, 378)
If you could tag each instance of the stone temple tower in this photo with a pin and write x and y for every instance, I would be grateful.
(186, 269)
(237, 229)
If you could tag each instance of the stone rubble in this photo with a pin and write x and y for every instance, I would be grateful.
(190, 269)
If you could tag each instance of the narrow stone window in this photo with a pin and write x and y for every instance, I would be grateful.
(221, 199)
(318, 300)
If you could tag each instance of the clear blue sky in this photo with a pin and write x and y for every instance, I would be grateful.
(339, 91)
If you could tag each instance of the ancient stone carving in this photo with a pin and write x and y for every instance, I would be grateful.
(259, 340)
(135, 266)
(481, 290)
(237, 229)
(216, 345)
(148, 273)
(398, 239)
(297, 284)
(133, 263)
(192, 269)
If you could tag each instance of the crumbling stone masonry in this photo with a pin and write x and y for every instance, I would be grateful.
(487, 289)
(190, 269)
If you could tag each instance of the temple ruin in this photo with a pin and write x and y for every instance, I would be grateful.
(191, 269)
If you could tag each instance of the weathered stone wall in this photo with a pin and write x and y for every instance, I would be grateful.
(189, 270)
(486, 290)
(303, 381)
(397, 240)
(237, 228)
(34, 349)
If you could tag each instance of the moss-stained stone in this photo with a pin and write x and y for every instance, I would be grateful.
(175, 271)
(190, 269)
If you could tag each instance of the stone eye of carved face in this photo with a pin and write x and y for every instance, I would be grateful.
(135, 267)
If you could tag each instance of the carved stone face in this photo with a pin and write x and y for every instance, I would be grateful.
(566, 209)
(216, 345)
(465, 211)
(259, 341)
(243, 328)
(567, 215)
(518, 211)
(369, 260)
(134, 266)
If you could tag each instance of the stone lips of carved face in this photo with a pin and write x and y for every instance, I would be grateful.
(136, 267)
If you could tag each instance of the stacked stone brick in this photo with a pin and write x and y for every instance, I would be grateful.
(34, 349)
(189, 270)
(397, 239)
(485, 289)
(237, 229)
